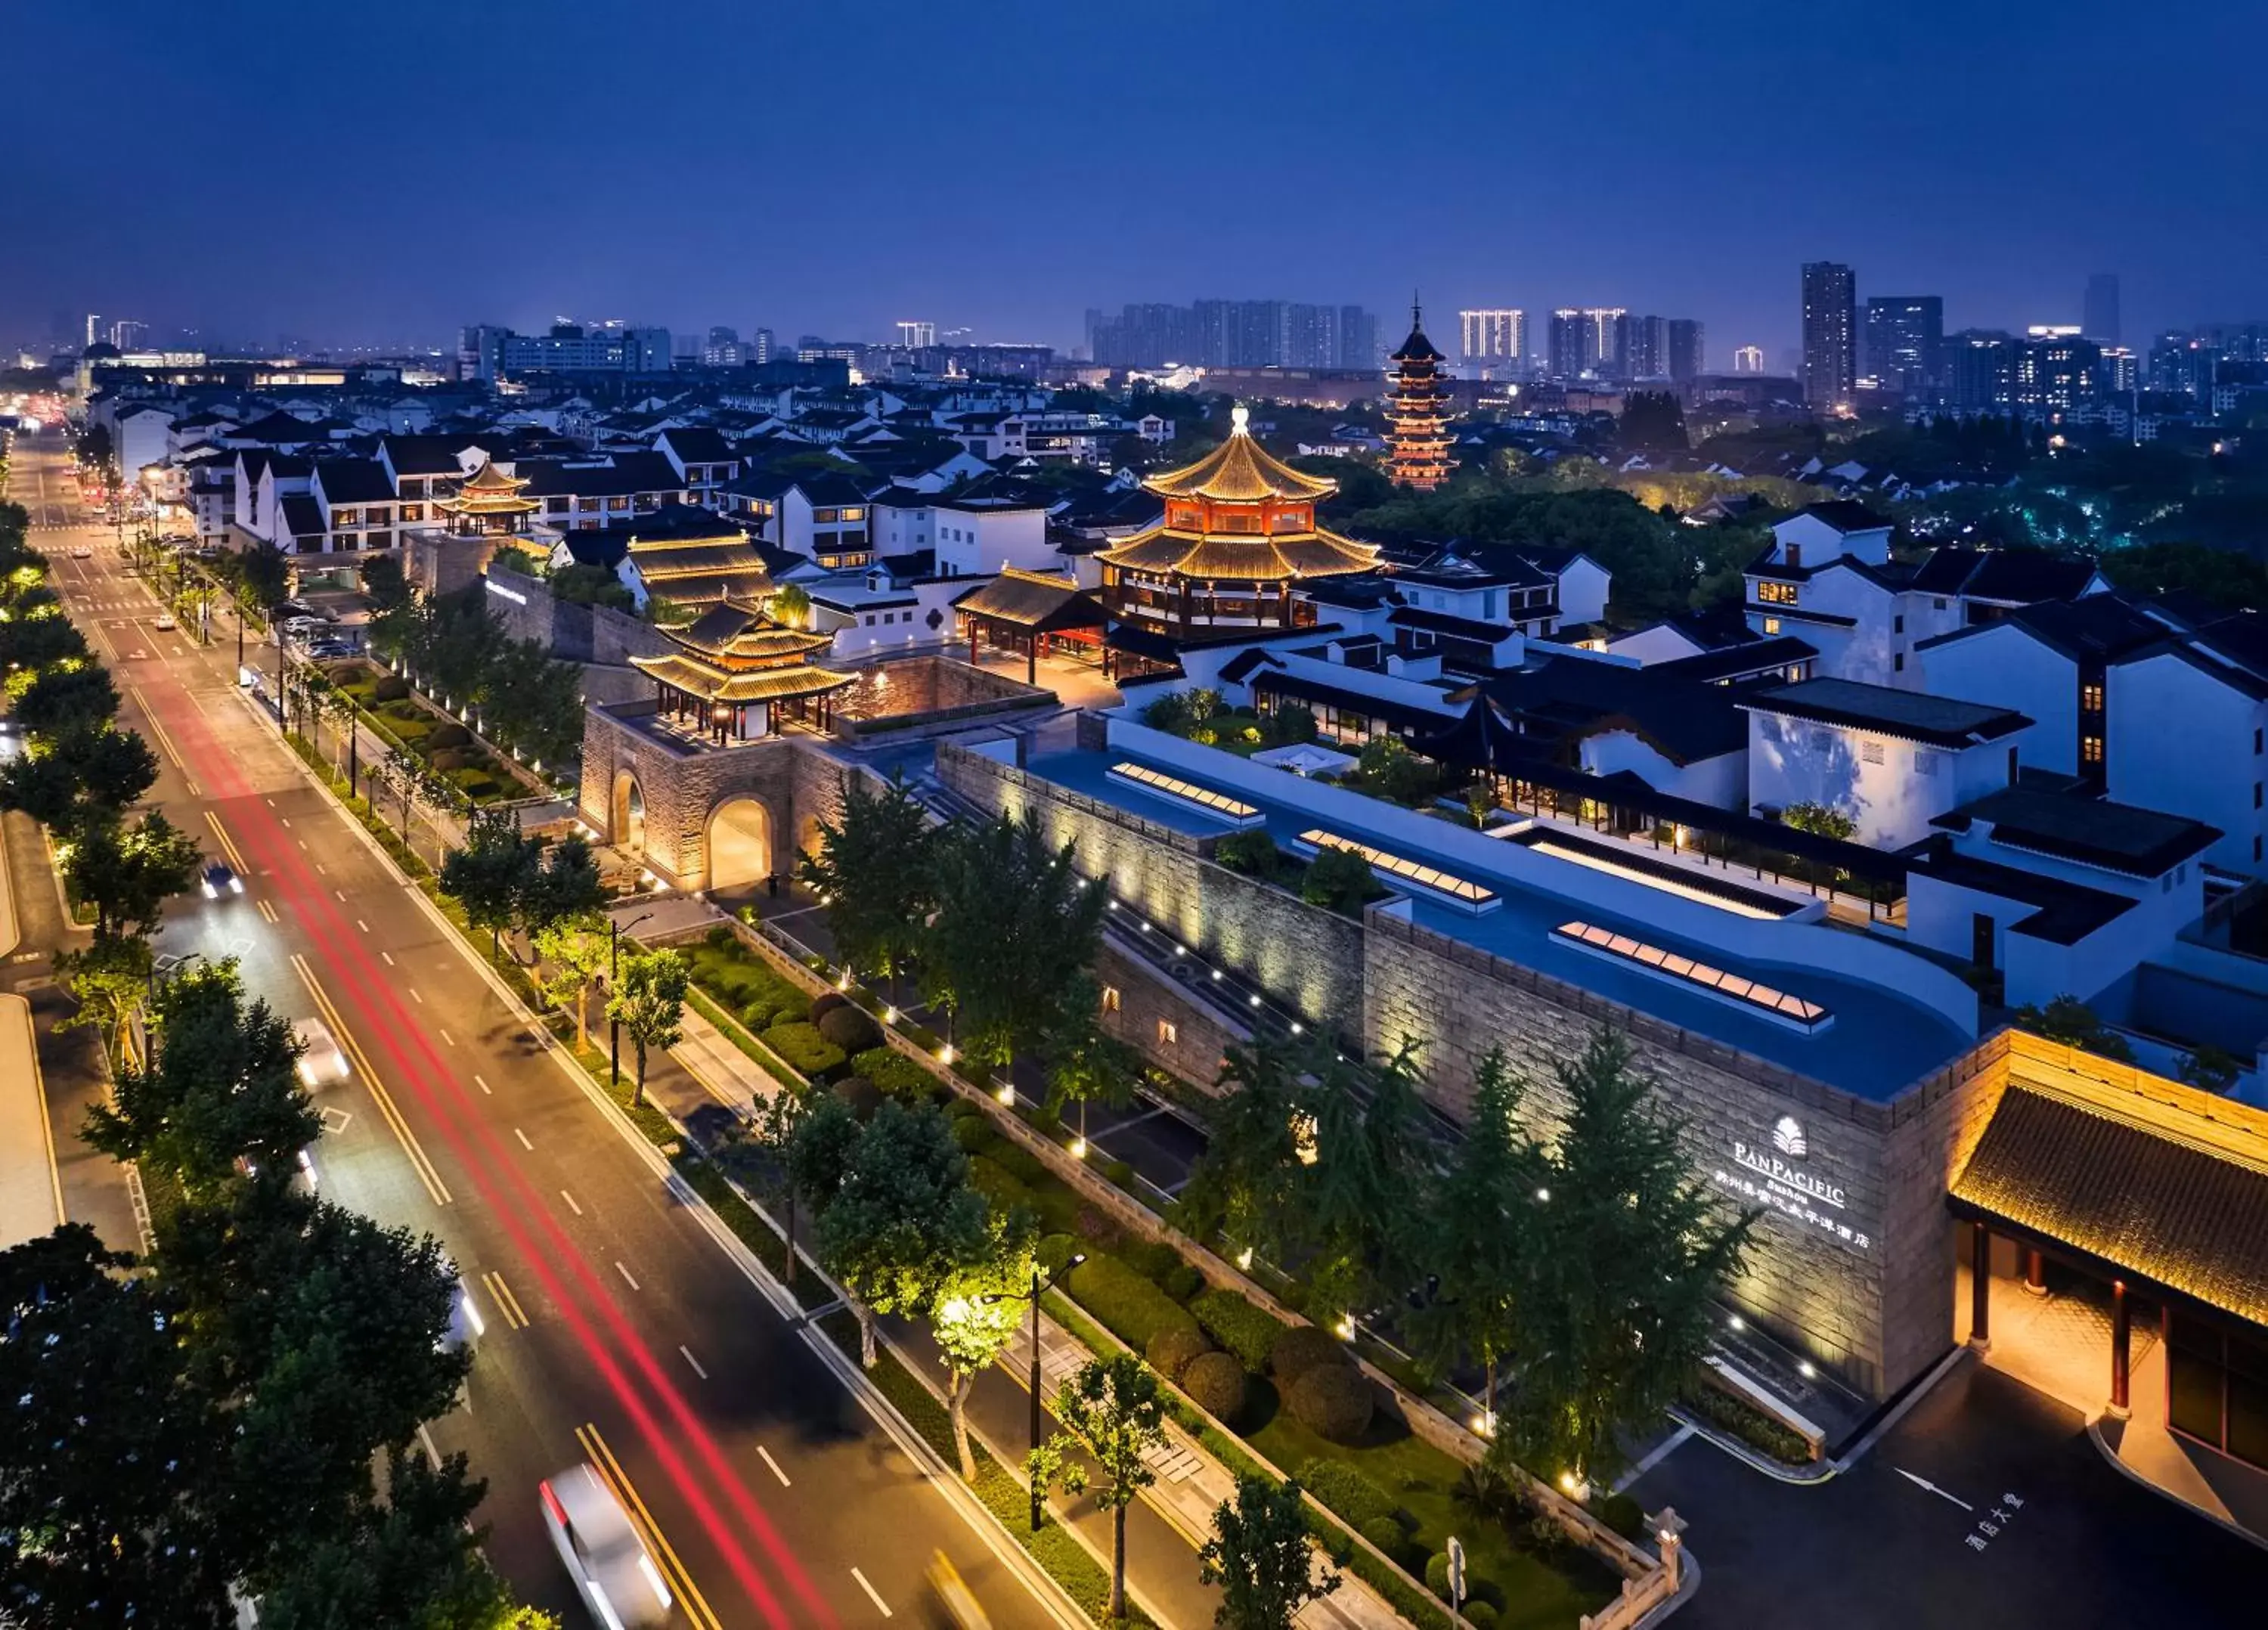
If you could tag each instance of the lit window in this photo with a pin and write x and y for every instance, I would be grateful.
(1771, 626)
(2090, 749)
(1168, 1033)
(2090, 698)
(1110, 999)
(1776, 593)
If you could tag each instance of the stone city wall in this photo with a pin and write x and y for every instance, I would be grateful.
(1170, 1026)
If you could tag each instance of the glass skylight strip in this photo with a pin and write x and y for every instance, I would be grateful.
(1733, 987)
(1188, 791)
(1705, 896)
(1403, 867)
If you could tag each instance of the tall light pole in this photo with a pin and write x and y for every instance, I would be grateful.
(1040, 1285)
(615, 932)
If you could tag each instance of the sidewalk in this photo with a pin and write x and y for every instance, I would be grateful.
(30, 1187)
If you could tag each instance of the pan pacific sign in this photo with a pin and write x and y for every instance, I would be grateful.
(1768, 1174)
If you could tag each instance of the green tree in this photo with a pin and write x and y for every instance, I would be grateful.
(649, 1003)
(86, 772)
(904, 1218)
(66, 693)
(1339, 880)
(574, 951)
(1652, 422)
(32, 641)
(109, 978)
(1632, 1250)
(264, 577)
(2073, 1023)
(1371, 1155)
(1113, 1411)
(875, 867)
(563, 885)
(1245, 1183)
(2211, 1069)
(127, 873)
(223, 1086)
(973, 1314)
(810, 1135)
(789, 606)
(1260, 1558)
(492, 874)
(1819, 819)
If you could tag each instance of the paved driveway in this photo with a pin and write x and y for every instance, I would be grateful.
(2031, 1528)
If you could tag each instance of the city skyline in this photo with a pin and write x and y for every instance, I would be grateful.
(1022, 269)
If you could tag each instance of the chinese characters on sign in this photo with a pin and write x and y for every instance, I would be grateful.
(1765, 1178)
(1989, 1526)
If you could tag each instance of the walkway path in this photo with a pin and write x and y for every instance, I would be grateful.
(30, 1187)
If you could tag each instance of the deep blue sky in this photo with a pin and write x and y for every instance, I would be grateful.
(387, 170)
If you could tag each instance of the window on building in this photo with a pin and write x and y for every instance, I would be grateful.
(2255, 794)
(2090, 698)
(1925, 762)
(1898, 663)
(1776, 593)
(2090, 749)
(1938, 604)
(1795, 554)
(412, 514)
(1110, 999)
(1899, 624)
(1869, 752)
(1168, 1033)
(1771, 626)
(346, 518)
(2256, 739)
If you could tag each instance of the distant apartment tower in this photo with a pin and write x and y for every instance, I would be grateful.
(1687, 356)
(2100, 311)
(1830, 336)
(1495, 339)
(1905, 336)
(128, 334)
(1358, 338)
(1234, 334)
(1563, 343)
(916, 335)
(1749, 359)
(759, 346)
(1605, 342)
(723, 349)
(94, 330)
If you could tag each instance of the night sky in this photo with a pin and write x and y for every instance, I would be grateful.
(384, 172)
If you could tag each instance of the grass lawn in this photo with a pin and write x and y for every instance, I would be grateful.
(1526, 1590)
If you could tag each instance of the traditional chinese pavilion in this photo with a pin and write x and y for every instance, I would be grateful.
(1418, 411)
(1239, 534)
(736, 676)
(488, 502)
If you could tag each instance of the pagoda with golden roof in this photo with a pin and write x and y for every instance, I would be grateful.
(488, 501)
(735, 673)
(1418, 411)
(1239, 534)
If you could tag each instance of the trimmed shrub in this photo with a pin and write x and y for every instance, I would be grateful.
(1299, 1349)
(1021, 1161)
(1437, 1574)
(1334, 1401)
(1001, 1192)
(974, 1134)
(1053, 1251)
(1385, 1533)
(1624, 1514)
(1248, 1331)
(1118, 1174)
(849, 1029)
(825, 1003)
(447, 734)
(1153, 1259)
(1182, 1282)
(1349, 1492)
(757, 1015)
(389, 687)
(1172, 1348)
(447, 759)
(896, 1073)
(1126, 1304)
(1215, 1383)
(1480, 1615)
(860, 1094)
(719, 939)
(806, 1050)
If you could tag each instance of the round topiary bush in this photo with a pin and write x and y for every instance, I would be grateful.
(974, 1134)
(447, 735)
(848, 1027)
(1182, 1282)
(1299, 1349)
(1215, 1383)
(389, 687)
(861, 1095)
(1173, 1347)
(1437, 1574)
(757, 1015)
(1385, 1533)
(1480, 1616)
(825, 1003)
(1334, 1401)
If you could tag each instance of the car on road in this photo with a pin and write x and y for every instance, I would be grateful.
(164, 623)
(954, 1599)
(220, 879)
(321, 1057)
(82, 553)
(604, 1555)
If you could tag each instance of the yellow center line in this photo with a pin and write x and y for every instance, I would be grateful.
(149, 718)
(696, 1606)
(228, 846)
(424, 1168)
(514, 1315)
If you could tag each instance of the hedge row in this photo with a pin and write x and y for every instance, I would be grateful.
(1128, 1305)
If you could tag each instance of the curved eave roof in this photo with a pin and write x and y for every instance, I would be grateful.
(1242, 556)
(1417, 348)
(697, 678)
(1240, 470)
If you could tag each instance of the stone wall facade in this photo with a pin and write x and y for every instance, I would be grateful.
(1170, 1026)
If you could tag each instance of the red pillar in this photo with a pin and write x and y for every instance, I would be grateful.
(2122, 1319)
(2035, 1273)
(1980, 1288)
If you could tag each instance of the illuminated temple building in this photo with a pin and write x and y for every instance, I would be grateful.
(1418, 411)
(489, 502)
(1237, 536)
(735, 675)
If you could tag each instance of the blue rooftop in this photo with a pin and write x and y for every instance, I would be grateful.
(1880, 1042)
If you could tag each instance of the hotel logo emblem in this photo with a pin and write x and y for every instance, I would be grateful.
(1788, 1136)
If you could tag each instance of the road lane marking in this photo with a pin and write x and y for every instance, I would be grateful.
(524, 1143)
(482, 1085)
(447, 1039)
(322, 870)
(696, 1362)
(696, 1606)
(424, 1167)
(413, 994)
(766, 1455)
(872, 1595)
(628, 1277)
(362, 924)
(227, 844)
(268, 911)
(340, 892)
(286, 820)
(426, 1442)
(563, 1195)
(149, 718)
(388, 960)
(515, 1316)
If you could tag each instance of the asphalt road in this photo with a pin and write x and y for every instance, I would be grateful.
(611, 1310)
(1986, 1505)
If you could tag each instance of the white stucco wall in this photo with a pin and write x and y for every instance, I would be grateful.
(1721, 781)
(1871, 778)
(2179, 740)
(2005, 667)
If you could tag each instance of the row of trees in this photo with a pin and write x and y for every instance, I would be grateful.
(454, 645)
(237, 1412)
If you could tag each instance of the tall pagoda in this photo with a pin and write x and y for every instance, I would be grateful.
(735, 674)
(1239, 534)
(488, 501)
(1418, 411)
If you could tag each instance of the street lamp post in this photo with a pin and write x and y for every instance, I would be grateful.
(1040, 1285)
(614, 931)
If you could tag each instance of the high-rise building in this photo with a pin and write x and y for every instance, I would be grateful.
(1494, 339)
(1686, 356)
(723, 349)
(1905, 334)
(128, 335)
(2101, 312)
(1647, 355)
(1830, 336)
(1749, 359)
(1311, 337)
(1358, 338)
(1563, 356)
(1418, 411)
(1234, 334)
(759, 346)
(2054, 372)
(915, 335)
(94, 329)
(1605, 342)
(1978, 372)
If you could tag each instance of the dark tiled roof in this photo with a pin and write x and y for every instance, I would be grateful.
(1738, 660)
(625, 472)
(2101, 626)
(1454, 627)
(354, 481)
(1909, 714)
(1031, 599)
(2067, 912)
(2021, 576)
(698, 444)
(2094, 832)
(2242, 639)
(1573, 697)
(1847, 515)
(2174, 1210)
(301, 516)
(281, 430)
